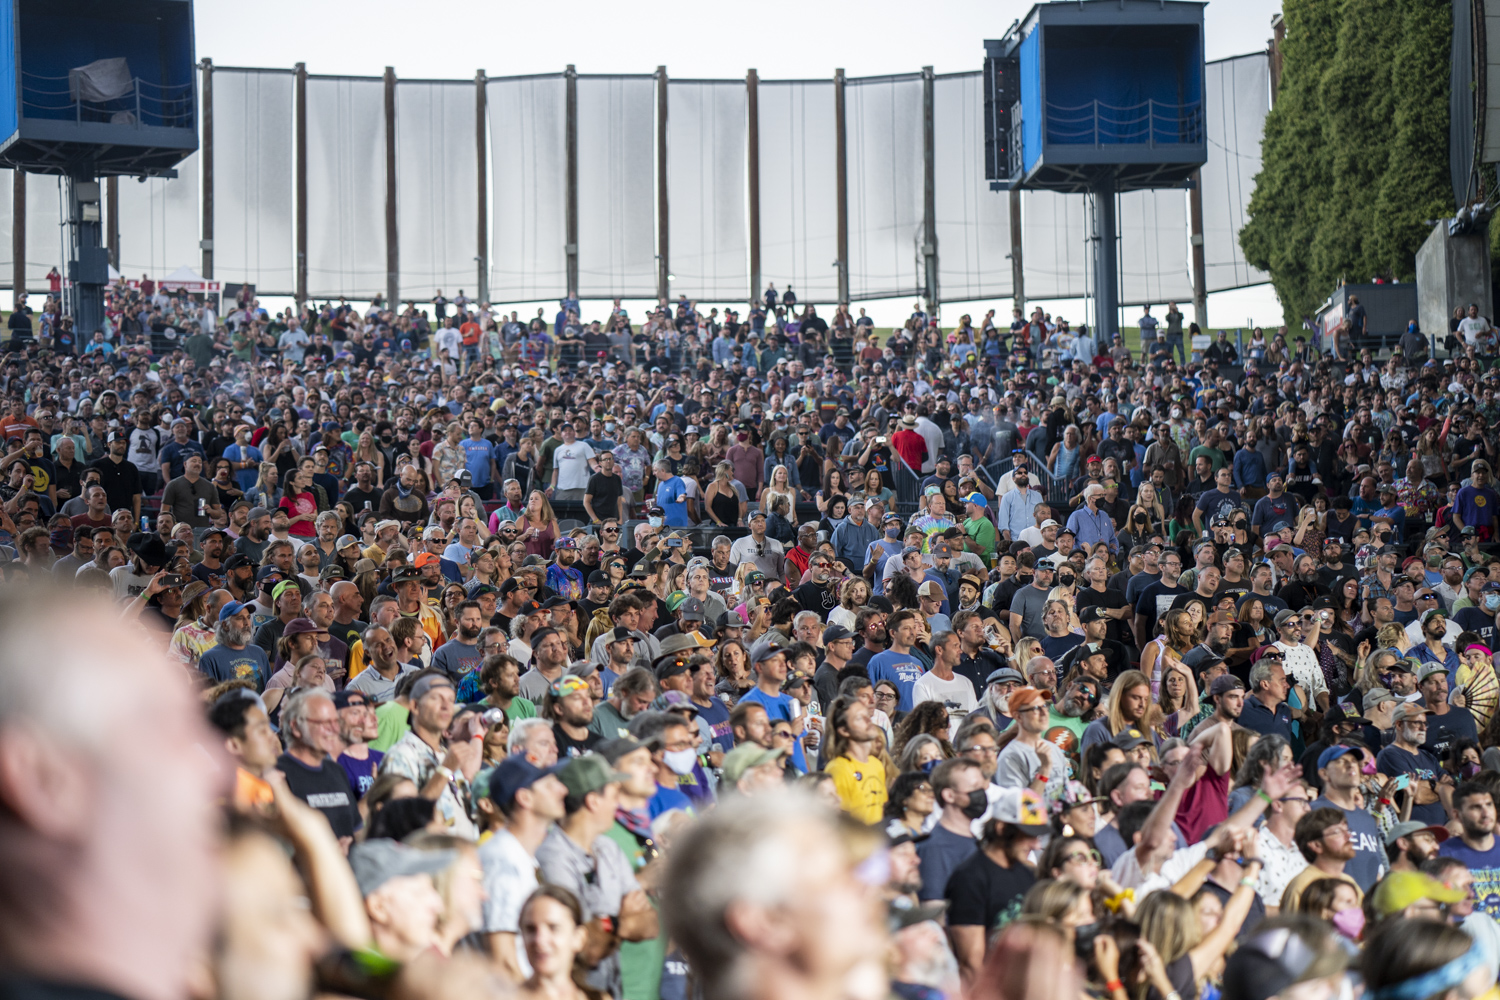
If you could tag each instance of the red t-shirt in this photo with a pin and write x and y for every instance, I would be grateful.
(911, 447)
(1205, 805)
(302, 503)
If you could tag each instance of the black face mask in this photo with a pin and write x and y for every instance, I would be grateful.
(1065, 579)
(977, 805)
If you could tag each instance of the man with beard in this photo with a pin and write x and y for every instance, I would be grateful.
(820, 593)
(239, 578)
(119, 476)
(1476, 847)
(631, 695)
(403, 501)
(1446, 724)
(562, 576)
(571, 708)
(1326, 841)
(549, 655)
(978, 660)
(1150, 572)
(995, 704)
(1431, 793)
(1156, 599)
(1070, 713)
(233, 657)
(869, 624)
(1028, 760)
(1434, 624)
(364, 495)
(357, 726)
(1409, 845)
(460, 656)
(424, 756)
(252, 544)
(1340, 769)
(1333, 572)
(1305, 586)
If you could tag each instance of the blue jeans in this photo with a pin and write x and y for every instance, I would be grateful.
(1174, 343)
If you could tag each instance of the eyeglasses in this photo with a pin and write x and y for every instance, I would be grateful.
(984, 751)
(1089, 855)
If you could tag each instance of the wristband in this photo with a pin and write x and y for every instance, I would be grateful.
(1261, 793)
(447, 773)
(1113, 985)
(1250, 882)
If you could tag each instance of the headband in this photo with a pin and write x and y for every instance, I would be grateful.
(1439, 980)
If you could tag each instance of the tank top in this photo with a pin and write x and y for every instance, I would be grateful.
(726, 507)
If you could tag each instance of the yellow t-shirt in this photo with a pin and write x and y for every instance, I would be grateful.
(861, 787)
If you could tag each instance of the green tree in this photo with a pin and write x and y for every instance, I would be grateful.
(1355, 153)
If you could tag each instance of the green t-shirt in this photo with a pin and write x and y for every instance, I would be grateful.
(1214, 455)
(1073, 724)
(640, 961)
(608, 722)
(394, 722)
(982, 530)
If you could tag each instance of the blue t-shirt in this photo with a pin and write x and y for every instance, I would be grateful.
(477, 458)
(1476, 505)
(361, 773)
(457, 659)
(779, 707)
(224, 664)
(939, 854)
(901, 669)
(1485, 865)
(671, 496)
(1422, 766)
(248, 453)
(1368, 845)
(667, 798)
(1476, 620)
(716, 716)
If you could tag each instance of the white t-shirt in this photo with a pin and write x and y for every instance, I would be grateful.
(572, 464)
(449, 341)
(1471, 328)
(509, 878)
(1127, 870)
(957, 694)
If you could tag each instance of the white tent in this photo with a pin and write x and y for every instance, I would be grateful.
(185, 279)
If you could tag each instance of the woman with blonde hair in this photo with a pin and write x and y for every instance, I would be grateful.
(1147, 513)
(365, 450)
(1182, 957)
(854, 593)
(1129, 705)
(721, 501)
(1178, 699)
(1026, 647)
(265, 493)
(780, 485)
(537, 525)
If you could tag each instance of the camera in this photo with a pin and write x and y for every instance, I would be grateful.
(674, 543)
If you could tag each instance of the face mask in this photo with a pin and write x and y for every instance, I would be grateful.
(680, 761)
(655, 522)
(978, 804)
(1469, 771)
(892, 532)
(1349, 922)
(1492, 602)
(1065, 579)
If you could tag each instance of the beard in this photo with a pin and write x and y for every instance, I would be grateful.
(469, 633)
(1072, 709)
(1219, 648)
(233, 636)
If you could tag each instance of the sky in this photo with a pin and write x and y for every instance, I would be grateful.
(451, 39)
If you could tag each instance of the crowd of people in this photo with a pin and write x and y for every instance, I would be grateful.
(382, 653)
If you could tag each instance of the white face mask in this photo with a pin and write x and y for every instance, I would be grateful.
(680, 761)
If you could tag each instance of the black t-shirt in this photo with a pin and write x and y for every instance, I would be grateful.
(121, 481)
(326, 789)
(1155, 601)
(1443, 730)
(1110, 600)
(567, 746)
(981, 893)
(606, 492)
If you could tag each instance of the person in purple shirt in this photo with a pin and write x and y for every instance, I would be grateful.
(1476, 504)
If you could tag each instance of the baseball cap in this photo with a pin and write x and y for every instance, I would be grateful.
(344, 541)
(1408, 710)
(425, 559)
(1428, 669)
(1377, 696)
(931, 589)
(1225, 683)
(1286, 615)
(1332, 754)
(376, 862)
(1049, 523)
(743, 757)
(302, 626)
(344, 698)
(691, 609)
(1128, 738)
(835, 633)
(1092, 613)
(976, 498)
(515, 773)
(1022, 808)
(1200, 657)
(230, 609)
(1398, 890)
(613, 750)
(1276, 958)
(671, 666)
(1412, 826)
(588, 773)
(1026, 697)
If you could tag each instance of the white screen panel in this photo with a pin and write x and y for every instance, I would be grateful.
(160, 221)
(345, 187)
(528, 224)
(437, 198)
(798, 188)
(1238, 95)
(883, 130)
(973, 222)
(1054, 254)
(709, 244)
(616, 186)
(44, 239)
(254, 219)
(1154, 263)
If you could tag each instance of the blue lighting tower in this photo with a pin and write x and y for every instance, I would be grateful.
(91, 89)
(1097, 97)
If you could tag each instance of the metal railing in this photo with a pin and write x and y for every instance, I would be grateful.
(1149, 123)
(148, 104)
(1054, 490)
